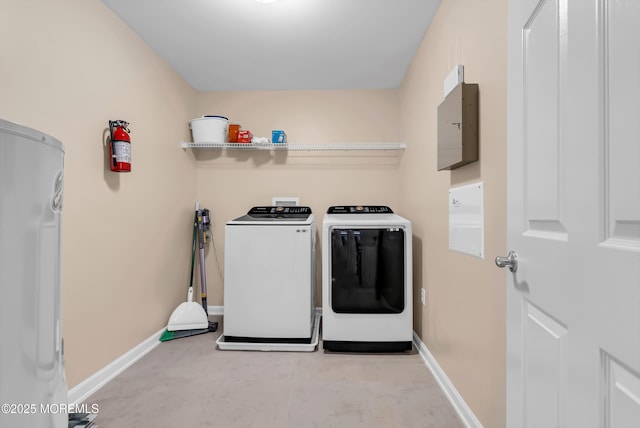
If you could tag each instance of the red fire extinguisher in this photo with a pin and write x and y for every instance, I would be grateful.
(120, 146)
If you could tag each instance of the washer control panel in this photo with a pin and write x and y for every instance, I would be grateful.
(360, 209)
(280, 212)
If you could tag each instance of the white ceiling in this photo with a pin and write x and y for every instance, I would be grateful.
(230, 45)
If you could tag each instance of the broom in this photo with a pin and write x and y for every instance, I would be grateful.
(177, 334)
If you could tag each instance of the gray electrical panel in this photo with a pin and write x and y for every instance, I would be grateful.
(458, 127)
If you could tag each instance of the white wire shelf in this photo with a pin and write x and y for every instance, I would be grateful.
(295, 147)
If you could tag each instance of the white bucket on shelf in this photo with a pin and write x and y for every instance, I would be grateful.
(209, 129)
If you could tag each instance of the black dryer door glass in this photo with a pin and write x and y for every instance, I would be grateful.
(367, 271)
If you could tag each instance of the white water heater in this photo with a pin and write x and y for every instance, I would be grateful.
(33, 387)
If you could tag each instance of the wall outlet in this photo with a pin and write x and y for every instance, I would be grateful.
(423, 296)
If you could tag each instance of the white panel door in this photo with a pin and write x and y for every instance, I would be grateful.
(573, 303)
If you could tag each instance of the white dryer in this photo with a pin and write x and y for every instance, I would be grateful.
(269, 276)
(366, 280)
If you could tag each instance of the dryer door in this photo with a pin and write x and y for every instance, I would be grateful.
(367, 270)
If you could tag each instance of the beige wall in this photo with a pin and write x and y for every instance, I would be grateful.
(67, 67)
(231, 182)
(463, 322)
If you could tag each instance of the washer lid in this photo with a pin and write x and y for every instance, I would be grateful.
(276, 214)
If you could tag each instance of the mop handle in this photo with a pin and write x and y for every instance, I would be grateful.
(203, 275)
(193, 250)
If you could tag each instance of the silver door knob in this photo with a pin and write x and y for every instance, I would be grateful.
(510, 261)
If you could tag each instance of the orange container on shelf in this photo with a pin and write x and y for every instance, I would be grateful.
(233, 133)
(244, 136)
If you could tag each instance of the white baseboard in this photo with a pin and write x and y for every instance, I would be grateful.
(449, 390)
(215, 310)
(93, 383)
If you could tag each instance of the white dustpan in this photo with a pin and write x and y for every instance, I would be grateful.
(188, 315)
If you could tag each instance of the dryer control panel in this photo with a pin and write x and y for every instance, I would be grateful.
(360, 209)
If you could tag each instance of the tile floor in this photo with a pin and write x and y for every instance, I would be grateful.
(188, 382)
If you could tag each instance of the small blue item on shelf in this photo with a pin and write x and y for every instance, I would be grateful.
(278, 137)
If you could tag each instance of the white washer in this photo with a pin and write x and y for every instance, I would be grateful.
(269, 276)
(366, 280)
